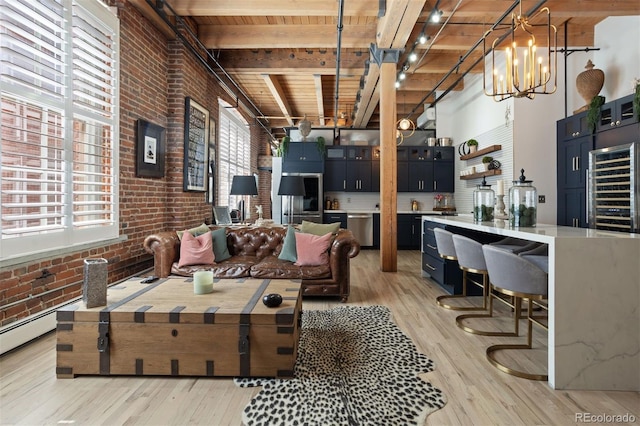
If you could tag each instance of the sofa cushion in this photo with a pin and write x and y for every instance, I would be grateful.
(196, 250)
(312, 249)
(198, 230)
(289, 246)
(220, 248)
(234, 267)
(274, 268)
(319, 228)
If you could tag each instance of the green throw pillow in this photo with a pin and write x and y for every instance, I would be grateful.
(319, 229)
(289, 246)
(220, 249)
(198, 230)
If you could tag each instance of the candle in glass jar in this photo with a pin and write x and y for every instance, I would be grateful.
(202, 282)
(500, 187)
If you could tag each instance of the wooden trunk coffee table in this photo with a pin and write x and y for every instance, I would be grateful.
(163, 328)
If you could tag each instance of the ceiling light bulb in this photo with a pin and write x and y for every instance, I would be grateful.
(404, 124)
(435, 17)
(423, 39)
(413, 56)
(397, 84)
(402, 76)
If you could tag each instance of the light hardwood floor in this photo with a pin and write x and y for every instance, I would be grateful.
(477, 393)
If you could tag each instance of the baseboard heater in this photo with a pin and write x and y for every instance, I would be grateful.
(27, 329)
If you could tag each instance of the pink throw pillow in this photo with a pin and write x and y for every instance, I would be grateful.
(196, 250)
(312, 249)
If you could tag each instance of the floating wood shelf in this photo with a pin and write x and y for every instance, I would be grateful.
(482, 174)
(482, 152)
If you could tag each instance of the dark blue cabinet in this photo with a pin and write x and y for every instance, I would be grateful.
(303, 157)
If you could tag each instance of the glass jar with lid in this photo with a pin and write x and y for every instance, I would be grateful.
(523, 202)
(483, 202)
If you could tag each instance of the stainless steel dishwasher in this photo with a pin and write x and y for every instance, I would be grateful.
(361, 225)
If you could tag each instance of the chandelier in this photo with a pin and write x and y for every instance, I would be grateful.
(516, 68)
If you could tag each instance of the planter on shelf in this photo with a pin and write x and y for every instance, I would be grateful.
(486, 161)
(473, 145)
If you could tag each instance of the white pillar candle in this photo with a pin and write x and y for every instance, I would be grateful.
(500, 187)
(202, 282)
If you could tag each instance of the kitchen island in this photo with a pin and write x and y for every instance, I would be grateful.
(594, 302)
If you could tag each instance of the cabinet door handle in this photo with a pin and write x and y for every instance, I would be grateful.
(429, 266)
(617, 122)
(344, 184)
(435, 185)
(432, 247)
(573, 164)
(587, 198)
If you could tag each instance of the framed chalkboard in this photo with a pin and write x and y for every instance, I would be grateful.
(196, 145)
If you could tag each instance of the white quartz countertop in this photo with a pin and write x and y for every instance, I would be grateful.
(543, 233)
(419, 212)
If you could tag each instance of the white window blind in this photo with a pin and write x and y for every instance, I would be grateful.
(59, 152)
(234, 153)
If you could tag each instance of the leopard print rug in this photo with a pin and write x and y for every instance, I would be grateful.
(354, 367)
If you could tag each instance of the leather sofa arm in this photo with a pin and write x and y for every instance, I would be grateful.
(165, 247)
(344, 247)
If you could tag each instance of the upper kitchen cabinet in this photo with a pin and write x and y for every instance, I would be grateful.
(303, 157)
(617, 124)
(573, 127)
(335, 169)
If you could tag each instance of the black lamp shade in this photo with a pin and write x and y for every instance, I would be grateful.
(291, 185)
(244, 185)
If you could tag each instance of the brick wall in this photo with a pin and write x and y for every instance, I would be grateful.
(155, 77)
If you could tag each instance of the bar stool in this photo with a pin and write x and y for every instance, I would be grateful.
(538, 256)
(515, 245)
(471, 259)
(447, 250)
(515, 276)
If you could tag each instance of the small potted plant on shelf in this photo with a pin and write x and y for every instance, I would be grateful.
(486, 160)
(473, 145)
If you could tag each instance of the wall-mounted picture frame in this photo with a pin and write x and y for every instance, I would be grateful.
(150, 149)
(196, 146)
(211, 187)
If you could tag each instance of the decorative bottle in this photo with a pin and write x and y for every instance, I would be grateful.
(523, 203)
(483, 202)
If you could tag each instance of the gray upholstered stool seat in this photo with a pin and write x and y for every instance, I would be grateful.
(447, 250)
(538, 256)
(515, 276)
(471, 259)
(515, 245)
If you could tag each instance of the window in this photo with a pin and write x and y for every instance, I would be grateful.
(234, 153)
(59, 124)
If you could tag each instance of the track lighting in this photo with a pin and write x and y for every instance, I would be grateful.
(436, 15)
(423, 38)
(413, 56)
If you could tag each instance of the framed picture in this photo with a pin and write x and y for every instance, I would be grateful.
(150, 149)
(211, 187)
(196, 144)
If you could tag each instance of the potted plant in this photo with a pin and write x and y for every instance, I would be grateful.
(320, 145)
(283, 147)
(486, 160)
(473, 145)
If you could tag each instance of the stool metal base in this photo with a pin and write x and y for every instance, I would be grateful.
(484, 285)
(515, 306)
(491, 350)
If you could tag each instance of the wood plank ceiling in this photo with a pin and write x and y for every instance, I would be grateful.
(282, 53)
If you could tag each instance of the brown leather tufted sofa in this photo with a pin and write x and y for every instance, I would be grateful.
(254, 253)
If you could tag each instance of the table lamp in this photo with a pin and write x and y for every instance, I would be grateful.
(291, 186)
(243, 185)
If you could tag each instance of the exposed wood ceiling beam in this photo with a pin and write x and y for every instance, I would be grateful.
(149, 13)
(563, 9)
(285, 36)
(317, 79)
(278, 94)
(393, 31)
(287, 61)
(272, 8)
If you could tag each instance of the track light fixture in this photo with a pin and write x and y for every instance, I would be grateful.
(436, 15)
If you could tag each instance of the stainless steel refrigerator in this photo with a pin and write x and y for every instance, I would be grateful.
(614, 188)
